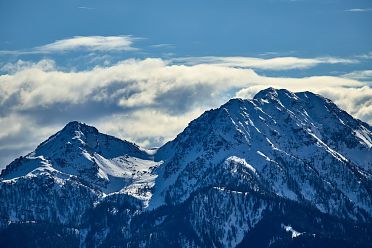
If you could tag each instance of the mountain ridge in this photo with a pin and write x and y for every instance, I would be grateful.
(277, 149)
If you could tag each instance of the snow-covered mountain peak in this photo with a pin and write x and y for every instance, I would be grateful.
(267, 93)
(74, 135)
(78, 126)
(78, 137)
(289, 139)
(81, 151)
(78, 130)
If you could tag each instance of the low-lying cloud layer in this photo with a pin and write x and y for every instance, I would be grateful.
(147, 101)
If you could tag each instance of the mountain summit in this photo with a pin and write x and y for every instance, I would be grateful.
(282, 169)
(98, 160)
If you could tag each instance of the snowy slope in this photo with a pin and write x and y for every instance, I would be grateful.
(298, 146)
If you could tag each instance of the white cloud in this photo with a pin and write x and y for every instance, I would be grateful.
(85, 8)
(148, 127)
(90, 43)
(84, 43)
(359, 75)
(45, 65)
(140, 82)
(164, 45)
(278, 63)
(355, 101)
(148, 101)
(359, 10)
(366, 56)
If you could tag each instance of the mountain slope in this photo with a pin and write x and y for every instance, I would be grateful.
(281, 169)
(276, 143)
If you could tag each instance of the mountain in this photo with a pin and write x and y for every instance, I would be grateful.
(298, 146)
(80, 151)
(280, 170)
(69, 172)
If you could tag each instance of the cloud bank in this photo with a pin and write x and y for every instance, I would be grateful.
(147, 101)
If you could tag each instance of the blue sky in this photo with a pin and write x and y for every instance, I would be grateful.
(130, 62)
(197, 28)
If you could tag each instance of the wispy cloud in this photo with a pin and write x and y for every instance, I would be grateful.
(365, 56)
(82, 43)
(278, 63)
(359, 10)
(85, 7)
(360, 75)
(165, 45)
(90, 43)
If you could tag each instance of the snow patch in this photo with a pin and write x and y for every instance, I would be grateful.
(234, 159)
(290, 229)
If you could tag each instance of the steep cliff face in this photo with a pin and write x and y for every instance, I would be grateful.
(278, 170)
